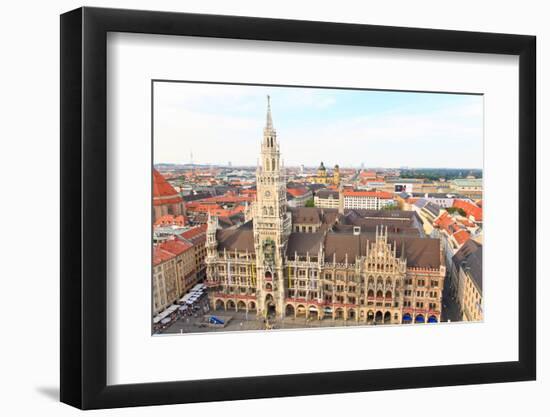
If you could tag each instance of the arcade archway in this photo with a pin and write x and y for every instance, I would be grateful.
(270, 306)
(289, 310)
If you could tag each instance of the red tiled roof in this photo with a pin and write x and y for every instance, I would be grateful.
(194, 232)
(465, 222)
(297, 191)
(175, 200)
(226, 198)
(448, 223)
(444, 220)
(175, 247)
(248, 192)
(461, 236)
(214, 209)
(358, 193)
(160, 255)
(163, 192)
(471, 209)
(170, 219)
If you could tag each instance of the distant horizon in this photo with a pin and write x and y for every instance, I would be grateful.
(217, 123)
(225, 165)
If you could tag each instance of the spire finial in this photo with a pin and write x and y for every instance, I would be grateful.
(269, 122)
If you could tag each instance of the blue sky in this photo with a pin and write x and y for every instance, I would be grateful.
(221, 123)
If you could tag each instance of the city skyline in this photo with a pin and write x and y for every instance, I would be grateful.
(231, 165)
(218, 123)
(321, 252)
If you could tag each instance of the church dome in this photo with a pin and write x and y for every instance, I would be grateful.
(322, 167)
(163, 192)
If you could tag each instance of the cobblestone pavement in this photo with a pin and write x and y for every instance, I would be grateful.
(238, 320)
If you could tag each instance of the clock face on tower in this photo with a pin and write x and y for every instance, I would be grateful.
(267, 194)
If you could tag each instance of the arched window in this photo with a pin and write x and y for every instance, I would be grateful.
(370, 293)
(379, 294)
(273, 164)
(271, 211)
(370, 316)
(289, 310)
(419, 319)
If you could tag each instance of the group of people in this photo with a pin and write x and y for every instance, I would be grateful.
(191, 305)
(193, 310)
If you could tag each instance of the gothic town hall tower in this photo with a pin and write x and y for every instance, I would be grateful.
(272, 224)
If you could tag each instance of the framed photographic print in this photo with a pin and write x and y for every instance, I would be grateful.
(258, 207)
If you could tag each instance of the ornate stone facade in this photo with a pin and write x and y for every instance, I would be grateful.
(343, 269)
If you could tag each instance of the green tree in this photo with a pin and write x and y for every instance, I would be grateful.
(391, 207)
(452, 210)
(310, 203)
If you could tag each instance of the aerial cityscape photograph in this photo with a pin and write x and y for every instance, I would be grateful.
(277, 208)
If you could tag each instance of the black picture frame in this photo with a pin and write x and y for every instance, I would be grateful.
(84, 207)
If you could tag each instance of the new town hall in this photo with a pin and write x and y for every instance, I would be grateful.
(360, 265)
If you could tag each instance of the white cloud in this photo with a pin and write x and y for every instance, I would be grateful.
(447, 138)
(221, 123)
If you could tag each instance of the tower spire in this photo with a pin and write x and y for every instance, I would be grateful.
(269, 120)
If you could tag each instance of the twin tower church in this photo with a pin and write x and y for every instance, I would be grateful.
(366, 266)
